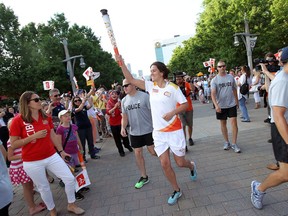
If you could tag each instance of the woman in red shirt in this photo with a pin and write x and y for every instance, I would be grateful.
(113, 109)
(33, 130)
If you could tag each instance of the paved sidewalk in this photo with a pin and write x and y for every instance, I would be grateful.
(222, 187)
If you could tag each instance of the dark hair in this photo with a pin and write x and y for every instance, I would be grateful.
(246, 69)
(162, 68)
(73, 99)
(270, 55)
(25, 110)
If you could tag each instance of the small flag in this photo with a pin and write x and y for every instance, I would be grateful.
(87, 73)
(206, 63)
(48, 85)
(94, 75)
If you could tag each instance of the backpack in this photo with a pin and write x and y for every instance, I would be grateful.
(244, 88)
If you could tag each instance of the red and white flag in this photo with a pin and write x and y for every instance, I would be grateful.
(87, 73)
(82, 180)
(47, 85)
(206, 63)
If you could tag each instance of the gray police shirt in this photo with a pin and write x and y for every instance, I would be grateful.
(137, 108)
(224, 86)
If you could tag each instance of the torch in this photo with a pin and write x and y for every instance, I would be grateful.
(108, 25)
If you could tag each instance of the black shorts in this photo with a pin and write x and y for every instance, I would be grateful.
(279, 145)
(227, 112)
(140, 141)
(187, 118)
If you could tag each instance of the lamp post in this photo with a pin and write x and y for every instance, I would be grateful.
(70, 68)
(249, 41)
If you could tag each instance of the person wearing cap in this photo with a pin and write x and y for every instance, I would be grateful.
(186, 116)
(72, 146)
(168, 132)
(278, 101)
(33, 130)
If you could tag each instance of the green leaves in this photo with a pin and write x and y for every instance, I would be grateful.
(217, 24)
(34, 53)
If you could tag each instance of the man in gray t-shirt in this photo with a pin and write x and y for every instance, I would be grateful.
(224, 97)
(136, 112)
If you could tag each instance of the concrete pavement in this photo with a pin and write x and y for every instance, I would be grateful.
(222, 187)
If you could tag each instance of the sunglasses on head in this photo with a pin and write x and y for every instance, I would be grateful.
(221, 66)
(77, 100)
(36, 99)
(126, 85)
(57, 95)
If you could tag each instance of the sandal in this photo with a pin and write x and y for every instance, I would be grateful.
(38, 208)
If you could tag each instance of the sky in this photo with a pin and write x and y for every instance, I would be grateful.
(137, 25)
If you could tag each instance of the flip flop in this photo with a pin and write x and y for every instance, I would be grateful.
(39, 208)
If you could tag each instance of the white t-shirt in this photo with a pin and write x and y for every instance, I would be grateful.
(242, 80)
(278, 92)
(162, 101)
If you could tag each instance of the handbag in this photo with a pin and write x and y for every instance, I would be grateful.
(253, 89)
(244, 88)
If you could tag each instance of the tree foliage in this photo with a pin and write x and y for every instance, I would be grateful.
(223, 18)
(35, 53)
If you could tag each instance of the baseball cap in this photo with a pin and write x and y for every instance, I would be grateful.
(180, 74)
(284, 55)
(63, 112)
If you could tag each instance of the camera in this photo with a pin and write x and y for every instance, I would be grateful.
(270, 67)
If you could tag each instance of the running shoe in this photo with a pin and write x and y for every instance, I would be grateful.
(142, 181)
(256, 195)
(193, 173)
(174, 197)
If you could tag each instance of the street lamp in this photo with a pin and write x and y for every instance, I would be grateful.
(69, 64)
(249, 41)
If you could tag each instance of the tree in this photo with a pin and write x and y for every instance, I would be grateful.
(34, 54)
(217, 24)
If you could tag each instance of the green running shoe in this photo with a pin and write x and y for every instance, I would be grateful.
(142, 181)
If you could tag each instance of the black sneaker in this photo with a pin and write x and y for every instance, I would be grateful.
(122, 154)
(130, 149)
(191, 142)
(79, 196)
(95, 156)
(186, 149)
(84, 190)
(268, 120)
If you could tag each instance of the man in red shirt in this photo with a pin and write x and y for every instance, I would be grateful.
(187, 116)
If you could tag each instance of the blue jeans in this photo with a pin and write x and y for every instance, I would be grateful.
(243, 108)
